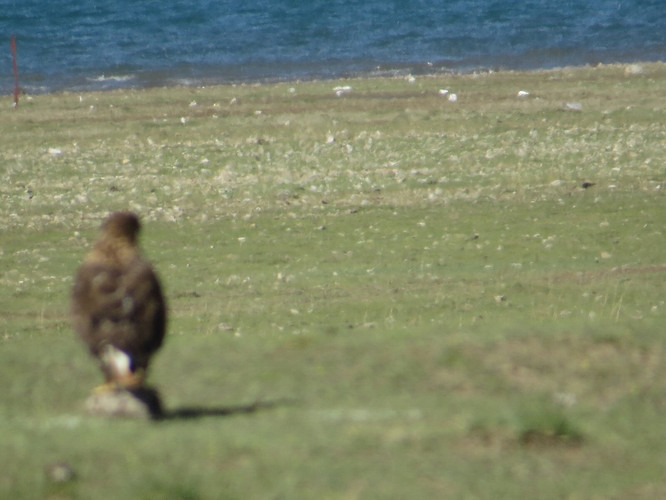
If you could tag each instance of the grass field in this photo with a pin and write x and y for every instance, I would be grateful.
(383, 294)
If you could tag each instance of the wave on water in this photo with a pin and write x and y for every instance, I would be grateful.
(111, 78)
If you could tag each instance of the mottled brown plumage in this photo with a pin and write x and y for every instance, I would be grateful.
(118, 308)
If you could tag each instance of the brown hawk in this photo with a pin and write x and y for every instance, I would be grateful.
(118, 308)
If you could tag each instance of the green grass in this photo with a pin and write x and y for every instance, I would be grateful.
(420, 294)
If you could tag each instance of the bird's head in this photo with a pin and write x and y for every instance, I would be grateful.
(122, 225)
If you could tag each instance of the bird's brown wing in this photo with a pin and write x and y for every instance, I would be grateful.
(123, 307)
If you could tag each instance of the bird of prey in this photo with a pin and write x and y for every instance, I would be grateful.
(118, 308)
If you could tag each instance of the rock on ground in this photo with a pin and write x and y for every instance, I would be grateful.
(141, 403)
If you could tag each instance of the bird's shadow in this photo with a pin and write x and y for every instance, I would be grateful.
(196, 412)
(153, 403)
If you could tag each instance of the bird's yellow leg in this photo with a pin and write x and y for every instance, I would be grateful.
(107, 387)
(129, 381)
(132, 380)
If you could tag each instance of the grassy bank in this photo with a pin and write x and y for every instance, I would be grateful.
(421, 294)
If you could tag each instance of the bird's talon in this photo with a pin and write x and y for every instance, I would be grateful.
(105, 388)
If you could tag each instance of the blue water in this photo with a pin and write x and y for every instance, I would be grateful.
(102, 44)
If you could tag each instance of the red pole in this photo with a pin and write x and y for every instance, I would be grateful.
(16, 78)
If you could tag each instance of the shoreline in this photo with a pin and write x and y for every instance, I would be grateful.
(397, 73)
